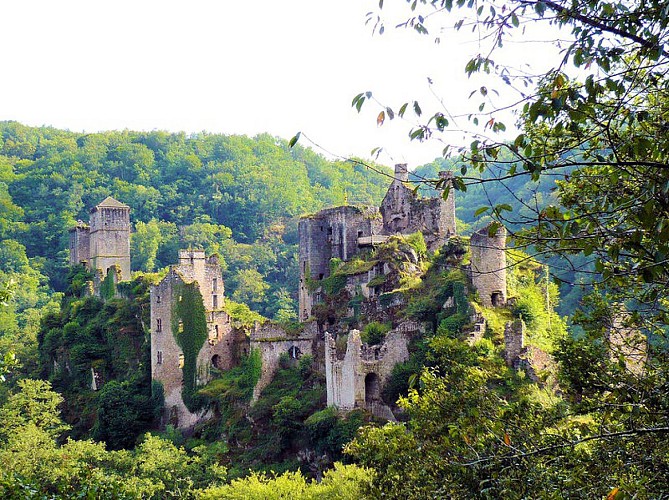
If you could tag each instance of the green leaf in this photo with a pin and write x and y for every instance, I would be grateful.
(481, 211)
(294, 140)
(403, 109)
(416, 108)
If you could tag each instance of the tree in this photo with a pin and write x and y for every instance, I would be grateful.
(34, 404)
(596, 121)
(597, 118)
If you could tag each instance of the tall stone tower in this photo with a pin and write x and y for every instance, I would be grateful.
(109, 237)
(170, 331)
(396, 206)
(80, 244)
(447, 208)
(488, 261)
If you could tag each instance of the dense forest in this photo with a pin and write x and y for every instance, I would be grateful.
(236, 196)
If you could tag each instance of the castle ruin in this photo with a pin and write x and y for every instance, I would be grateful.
(168, 330)
(198, 341)
(104, 243)
(342, 232)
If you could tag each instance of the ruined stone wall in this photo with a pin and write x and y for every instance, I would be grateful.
(222, 348)
(356, 380)
(514, 340)
(488, 266)
(396, 207)
(110, 239)
(404, 213)
(272, 341)
(447, 207)
(331, 233)
(79, 244)
(428, 217)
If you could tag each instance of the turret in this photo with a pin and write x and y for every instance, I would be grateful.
(401, 172)
(110, 237)
(488, 265)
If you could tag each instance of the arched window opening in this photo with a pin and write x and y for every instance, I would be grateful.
(497, 299)
(372, 388)
(216, 361)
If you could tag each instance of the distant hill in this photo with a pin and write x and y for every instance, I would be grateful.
(235, 195)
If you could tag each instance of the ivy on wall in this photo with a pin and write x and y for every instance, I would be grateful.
(108, 285)
(189, 327)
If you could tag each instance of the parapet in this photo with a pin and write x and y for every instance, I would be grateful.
(187, 256)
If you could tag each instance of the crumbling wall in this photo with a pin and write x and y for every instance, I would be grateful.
(356, 380)
(488, 266)
(79, 244)
(272, 341)
(514, 340)
(221, 349)
(404, 213)
(331, 233)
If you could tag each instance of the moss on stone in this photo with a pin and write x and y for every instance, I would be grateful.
(189, 327)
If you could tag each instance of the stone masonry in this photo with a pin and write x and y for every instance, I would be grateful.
(514, 340)
(272, 341)
(488, 266)
(404, 213)
(331, 233)
(355, 380)
(105, 242)
(219, 351)
(342, 232)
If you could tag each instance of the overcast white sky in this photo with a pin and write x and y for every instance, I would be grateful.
(240, 67)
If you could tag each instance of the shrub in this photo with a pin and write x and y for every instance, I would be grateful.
(375, 332)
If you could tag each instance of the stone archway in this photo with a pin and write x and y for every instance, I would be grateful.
(372, 388)
(216, 361)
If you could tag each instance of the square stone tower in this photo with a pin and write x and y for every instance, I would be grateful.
(109, 237)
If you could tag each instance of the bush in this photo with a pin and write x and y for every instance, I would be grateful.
(374, 333)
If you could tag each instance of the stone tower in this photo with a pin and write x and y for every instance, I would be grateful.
(488, 266)
(109, 236)
(167, 358)
(331, 233)
(447, 208)
(105, 242)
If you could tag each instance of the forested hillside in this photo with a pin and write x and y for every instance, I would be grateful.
(234, 195)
